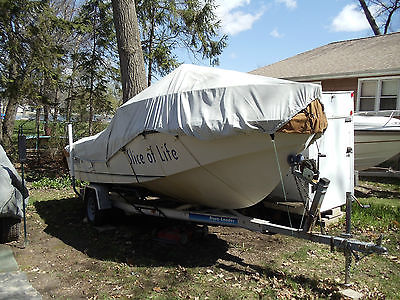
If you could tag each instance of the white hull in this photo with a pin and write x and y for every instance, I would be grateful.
(376, 139)
(374, 147)
(230, 172)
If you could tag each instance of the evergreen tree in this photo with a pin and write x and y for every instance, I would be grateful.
(18, 56)
(170, 25)
(95, 58)
(47, 59)
(60, 55)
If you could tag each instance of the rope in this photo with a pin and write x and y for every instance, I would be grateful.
(304, 199)
(281, 177)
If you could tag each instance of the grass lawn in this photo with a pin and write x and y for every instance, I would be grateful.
(69, 259)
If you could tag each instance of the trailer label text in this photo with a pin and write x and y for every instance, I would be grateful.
(213, 219)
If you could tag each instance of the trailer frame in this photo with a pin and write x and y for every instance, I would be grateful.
(232, 218)
(98, 200)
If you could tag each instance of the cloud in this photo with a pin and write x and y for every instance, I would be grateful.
(351, 19)
(233, 55)
(292, 4)
(274, 33)
(233, 19)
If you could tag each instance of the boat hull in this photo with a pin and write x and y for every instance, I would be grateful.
(373, 147)
(231, 172)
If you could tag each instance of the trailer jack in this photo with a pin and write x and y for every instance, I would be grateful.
(343, 243)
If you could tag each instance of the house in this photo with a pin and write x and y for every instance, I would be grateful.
(368, 66)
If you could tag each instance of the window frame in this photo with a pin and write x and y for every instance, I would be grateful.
(378, 94)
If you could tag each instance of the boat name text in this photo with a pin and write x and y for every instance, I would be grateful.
(162, 153)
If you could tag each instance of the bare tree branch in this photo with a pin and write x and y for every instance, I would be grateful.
(370, 18)
(382, 14)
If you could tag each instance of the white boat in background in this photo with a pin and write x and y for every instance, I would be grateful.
(205, 136)
(377, 139)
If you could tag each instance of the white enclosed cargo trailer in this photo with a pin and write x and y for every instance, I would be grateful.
(333, 154)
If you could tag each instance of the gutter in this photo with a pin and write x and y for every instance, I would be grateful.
(372, 73)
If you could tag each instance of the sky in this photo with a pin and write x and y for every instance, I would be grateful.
(262, 32)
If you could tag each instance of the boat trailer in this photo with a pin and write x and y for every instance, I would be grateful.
(98, 199)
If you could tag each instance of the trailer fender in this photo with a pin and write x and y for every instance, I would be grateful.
(102, 195)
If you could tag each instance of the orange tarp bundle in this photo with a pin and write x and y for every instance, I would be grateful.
(310, 120)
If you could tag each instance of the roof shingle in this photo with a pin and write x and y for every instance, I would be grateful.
(369, 55)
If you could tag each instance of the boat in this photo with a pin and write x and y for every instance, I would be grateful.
(205, 136)
(376, 139)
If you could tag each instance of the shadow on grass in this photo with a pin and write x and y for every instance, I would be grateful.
(322, 289)
(387, 180)
(132, 238)
(128, 237)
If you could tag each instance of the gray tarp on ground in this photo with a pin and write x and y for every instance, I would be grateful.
(203, 102)
(11, 189)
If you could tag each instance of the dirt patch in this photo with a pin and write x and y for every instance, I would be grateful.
(68, 258)
(62, 245)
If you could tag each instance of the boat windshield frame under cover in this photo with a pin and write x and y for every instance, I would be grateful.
(203, 102)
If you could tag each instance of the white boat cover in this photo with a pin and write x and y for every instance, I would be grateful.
(203, 102)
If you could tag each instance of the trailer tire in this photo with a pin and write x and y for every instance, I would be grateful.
(9, 230)
(94, 215)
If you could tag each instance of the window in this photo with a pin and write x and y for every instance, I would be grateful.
(379, 94)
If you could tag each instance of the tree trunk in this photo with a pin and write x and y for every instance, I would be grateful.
(12, 106)
(71, 95)
(389, 18)
(68, 111)
(90, 124)
(370, 18)
(53, 127)
(9, 120)
(133, 74)
(37, 126)
(150, 64)
(55, 111)
(1, 120)
(46, 119)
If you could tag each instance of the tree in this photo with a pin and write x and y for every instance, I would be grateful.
(132, 68)
(370, 18)
(168, 25)
(65, 34)
(17, 59)
(49, 53)
(46, 59)
(95, 57)
(384, 10)
(60, 54)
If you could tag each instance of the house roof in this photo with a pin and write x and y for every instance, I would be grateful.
(371, 56)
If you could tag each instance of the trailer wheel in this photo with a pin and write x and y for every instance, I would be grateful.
(9, 229)
(94, 215)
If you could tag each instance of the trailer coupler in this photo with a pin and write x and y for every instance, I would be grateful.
(335, 242)
(345, 244)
